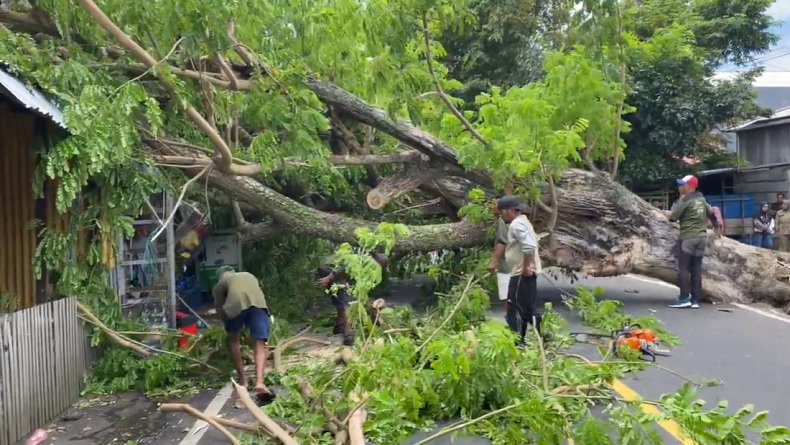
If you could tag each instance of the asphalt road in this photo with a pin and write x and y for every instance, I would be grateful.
(746, 350)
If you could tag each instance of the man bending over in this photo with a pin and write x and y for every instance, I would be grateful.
(523, 263)
(240, 301)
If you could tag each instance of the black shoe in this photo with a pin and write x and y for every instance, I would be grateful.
(348, 340)
(337, 330)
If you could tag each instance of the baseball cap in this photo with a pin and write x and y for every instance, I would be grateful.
(510, 202)
(688, 180)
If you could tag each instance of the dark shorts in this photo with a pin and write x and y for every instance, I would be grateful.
(341, 300)
(255, 319)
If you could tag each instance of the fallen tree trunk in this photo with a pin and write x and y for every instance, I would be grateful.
(305, 220)
(602, 230)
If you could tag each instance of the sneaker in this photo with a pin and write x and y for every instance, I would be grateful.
(348, 340)
(521, 345)
(681, 304)
(694, 306)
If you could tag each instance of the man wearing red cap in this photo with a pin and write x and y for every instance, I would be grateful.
(692, 212)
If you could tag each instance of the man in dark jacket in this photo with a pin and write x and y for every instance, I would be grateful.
(692, 212)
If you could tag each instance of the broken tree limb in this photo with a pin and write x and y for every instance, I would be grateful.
(265, 421)
(426, 33)
(304, 220)
(142, 55)
(427, 144)
(191, 411)
(282, 347)
(356, 422)
(397, 185)
(376, 159)
(308, 395)
(118, 339)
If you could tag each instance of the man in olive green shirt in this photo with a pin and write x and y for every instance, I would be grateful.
(240, 301)
(692, 212)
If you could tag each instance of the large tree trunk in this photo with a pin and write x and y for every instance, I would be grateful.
(603, 230)
(299, 218)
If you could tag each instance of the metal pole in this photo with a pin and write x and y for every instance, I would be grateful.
(171, 261)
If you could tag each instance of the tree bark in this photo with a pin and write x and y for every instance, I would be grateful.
(397, 185)
(304, 220)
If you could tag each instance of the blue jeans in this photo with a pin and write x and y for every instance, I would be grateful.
(764, 240)
(253, 318)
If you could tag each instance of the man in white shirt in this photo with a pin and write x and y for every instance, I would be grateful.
(523, 263)
(498, 266)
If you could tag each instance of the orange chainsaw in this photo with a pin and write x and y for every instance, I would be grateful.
(632, 336)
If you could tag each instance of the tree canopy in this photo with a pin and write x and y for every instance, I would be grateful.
(655, 41)
(300, 112)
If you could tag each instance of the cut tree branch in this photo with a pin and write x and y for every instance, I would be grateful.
(265, 421)
(191, 411)
(397, 185)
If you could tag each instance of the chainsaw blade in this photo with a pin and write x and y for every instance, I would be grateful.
(661, 351)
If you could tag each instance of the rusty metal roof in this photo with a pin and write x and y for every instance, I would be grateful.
(31, 99)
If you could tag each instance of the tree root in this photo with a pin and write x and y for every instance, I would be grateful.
(190, 410)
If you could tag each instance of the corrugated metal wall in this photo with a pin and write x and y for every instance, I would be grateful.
(17, 206)
(31, 395)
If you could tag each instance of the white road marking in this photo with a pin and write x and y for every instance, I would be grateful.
(765, 313)
(199, 428)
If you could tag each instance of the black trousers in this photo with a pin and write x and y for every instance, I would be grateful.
(689, 274)
(523, 307)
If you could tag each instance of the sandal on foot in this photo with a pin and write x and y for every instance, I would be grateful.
(263, 398)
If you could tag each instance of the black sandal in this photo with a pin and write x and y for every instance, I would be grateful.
(265, 398)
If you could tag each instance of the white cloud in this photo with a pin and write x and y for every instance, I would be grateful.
(780, 10)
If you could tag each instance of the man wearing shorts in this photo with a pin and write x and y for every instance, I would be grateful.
(692, 212)
(240, 301)
(523, 263)
(498, 266)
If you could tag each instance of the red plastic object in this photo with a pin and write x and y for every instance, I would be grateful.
(187, 324)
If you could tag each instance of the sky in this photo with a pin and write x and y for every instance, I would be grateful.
(778, 59)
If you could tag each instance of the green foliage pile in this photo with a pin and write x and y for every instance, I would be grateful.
(453, 363)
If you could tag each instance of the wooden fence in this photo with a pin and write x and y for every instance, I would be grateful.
(44, 354)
